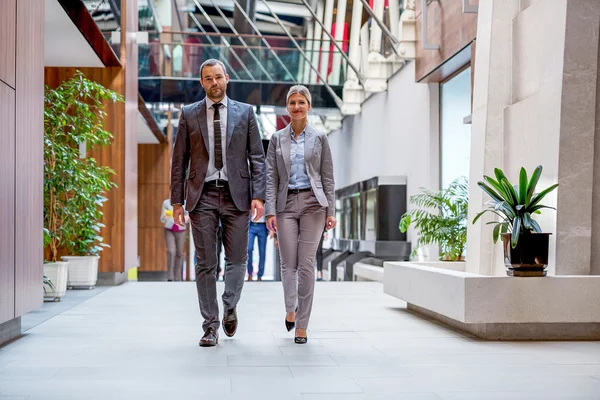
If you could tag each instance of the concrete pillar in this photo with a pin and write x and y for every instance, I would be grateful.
(491, 93)
(579, 78)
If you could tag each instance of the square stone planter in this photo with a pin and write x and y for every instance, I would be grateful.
(83, 271)
(57, 273)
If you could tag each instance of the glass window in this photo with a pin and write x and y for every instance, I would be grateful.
(371, 215)
(455, 135)
(354, 233)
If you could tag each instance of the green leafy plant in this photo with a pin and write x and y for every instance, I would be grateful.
(514, 204)
(74, 187)
(441, 218)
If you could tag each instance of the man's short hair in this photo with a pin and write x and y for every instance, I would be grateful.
(211, 63)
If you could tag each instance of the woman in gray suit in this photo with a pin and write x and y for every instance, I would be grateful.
(300, 202)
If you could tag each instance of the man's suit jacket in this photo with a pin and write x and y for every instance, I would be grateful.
(319, 167)
(245, 156)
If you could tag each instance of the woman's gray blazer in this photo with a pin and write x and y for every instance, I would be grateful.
(319, 167)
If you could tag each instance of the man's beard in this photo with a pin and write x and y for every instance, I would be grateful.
(216, 91)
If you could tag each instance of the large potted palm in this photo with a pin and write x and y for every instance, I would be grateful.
(441, 218)
(525, 245)
(75, 184)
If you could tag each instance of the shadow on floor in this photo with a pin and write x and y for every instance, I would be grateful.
(51, 309)
(432, 321)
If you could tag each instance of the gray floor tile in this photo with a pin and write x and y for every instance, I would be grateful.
(581, 385)
(332, 351)
(262, 361)
(294, 385)
(349, 371)
(514, 371)
(51, 309)
(9, 372)
(372, 396)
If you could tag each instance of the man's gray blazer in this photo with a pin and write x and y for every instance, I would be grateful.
(319, 167)
(245, 156)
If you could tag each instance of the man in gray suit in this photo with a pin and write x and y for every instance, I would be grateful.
(218, 138)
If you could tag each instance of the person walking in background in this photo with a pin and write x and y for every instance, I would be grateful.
(300, 203)
(258, 230)
(175, 242)
(218, 140)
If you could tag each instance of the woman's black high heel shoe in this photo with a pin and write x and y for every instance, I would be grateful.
(300, 340)
(289, 325)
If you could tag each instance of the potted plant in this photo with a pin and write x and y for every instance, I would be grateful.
(525, 245)
(441, 218)
(74, 185)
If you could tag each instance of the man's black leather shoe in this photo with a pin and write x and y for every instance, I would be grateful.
(210, 338)
(230, 322)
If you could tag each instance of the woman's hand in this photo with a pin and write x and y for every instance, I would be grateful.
(272, 223)
(330, 223)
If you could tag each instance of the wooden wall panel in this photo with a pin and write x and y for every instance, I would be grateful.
(447, 26)
(7, 200)
(154, 178)
(29, 178)
(154, 164)
(152, 249)
(8, 26)
(151, 199)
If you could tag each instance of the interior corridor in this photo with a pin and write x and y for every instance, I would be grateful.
(140, 341)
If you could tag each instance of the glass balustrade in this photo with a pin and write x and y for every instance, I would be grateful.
(246, 59)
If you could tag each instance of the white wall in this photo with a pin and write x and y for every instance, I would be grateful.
(397, 133)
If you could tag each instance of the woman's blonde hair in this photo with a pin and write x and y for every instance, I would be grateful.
(299, 89)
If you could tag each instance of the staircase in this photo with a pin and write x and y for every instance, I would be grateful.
(291, 42)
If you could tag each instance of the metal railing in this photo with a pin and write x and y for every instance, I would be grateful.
(180, 54)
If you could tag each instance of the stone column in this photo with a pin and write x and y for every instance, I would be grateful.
(534, 104)
(491, 93)
(576, 146)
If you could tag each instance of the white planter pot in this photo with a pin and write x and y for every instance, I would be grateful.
(57, 273)
(83, 271)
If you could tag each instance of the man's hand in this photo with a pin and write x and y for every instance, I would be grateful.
(330, 223)
(272, 223)
(179, 214)
(257, 209)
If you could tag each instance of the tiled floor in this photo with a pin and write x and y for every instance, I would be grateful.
(140, 341)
